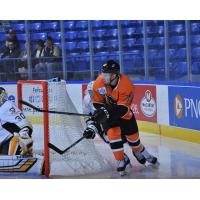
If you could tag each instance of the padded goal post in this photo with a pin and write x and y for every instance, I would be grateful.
(60, 130)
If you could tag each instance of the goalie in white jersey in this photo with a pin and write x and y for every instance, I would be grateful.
(15, 129)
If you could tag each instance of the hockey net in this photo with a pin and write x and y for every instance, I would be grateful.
(60, 130)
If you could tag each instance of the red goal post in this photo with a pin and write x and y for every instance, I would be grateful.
(44, 86)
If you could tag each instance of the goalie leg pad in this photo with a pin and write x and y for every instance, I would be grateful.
(14, 148)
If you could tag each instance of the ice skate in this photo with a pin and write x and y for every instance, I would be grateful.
(122, 164)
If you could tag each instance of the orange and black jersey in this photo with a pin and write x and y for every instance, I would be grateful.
(118, 98)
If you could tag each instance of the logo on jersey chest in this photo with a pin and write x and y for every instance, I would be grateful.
(102, 90)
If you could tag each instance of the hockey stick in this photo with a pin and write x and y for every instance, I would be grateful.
(50, 111)
(56, 149)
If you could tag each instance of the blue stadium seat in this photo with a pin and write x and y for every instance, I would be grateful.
(196, 52)
(139, 30)
(178, 28)
(112, 44)
(112, 33)
(55, 35)
(172, 53)
(18, 27)
(140, 42)
(38, 36)
(135, 23)
(53, 26)
(97, 24)
(70, 35)
(58, 44)
(114, 57)
(3, 37)
(129, 43)
(153, 53)
(69, 25)
(125, 23)
(128, 32)
(98, 45)
(83, 46)
(195, 27)
(195, 40)
(158, 30)
(110, 23)
(35, 27)
(21, 37)
(83, 35)
(82, 24)
(70, 46)
(99, 33)
(181, 53)
(177, 41)
(158, 41)
(196, 68)
(182, 68)
(154, 22)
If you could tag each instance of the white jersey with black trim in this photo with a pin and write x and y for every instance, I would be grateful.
(87, 105)
(10, 113)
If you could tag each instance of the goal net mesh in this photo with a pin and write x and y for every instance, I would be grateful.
(63, 130)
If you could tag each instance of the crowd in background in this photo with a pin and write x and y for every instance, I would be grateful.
(45, 57)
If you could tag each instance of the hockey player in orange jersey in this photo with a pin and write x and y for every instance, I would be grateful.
(112, 96)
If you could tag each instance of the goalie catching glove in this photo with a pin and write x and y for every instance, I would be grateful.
(25, 141)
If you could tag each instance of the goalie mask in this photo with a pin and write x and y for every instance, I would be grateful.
(3, 96)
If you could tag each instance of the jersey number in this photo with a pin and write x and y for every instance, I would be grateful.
(20, 117)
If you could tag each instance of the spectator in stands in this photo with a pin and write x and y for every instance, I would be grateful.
(11, 51)
(12, 37)
(23, 63)
(51, 59)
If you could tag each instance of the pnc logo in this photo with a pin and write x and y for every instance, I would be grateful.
(178, 106)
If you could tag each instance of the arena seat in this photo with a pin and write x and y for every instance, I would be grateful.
(110, 23)
(177, 29)
(196, 53)
(35, 27)
(53, 26)
(128, 43)
(38, 36)
(195, 28)
(181, 53)
(69, 25)
(83, 35)
(153, 53)
(177, 41)
(83, 24)
(83, 46)
(158, 41)
(21, 37)
(112, 33)
(112, 45)
(70, 46)
(97, 24)
(128, 32)
(3, 37)
(196, 68)
(99, 33)
(70, 35)
(195, 40)
(55, 35)
(98, 45)
(18, 27)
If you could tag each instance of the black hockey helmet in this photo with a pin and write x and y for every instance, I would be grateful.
(110, 67)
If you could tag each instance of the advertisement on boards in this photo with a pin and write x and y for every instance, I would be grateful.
(184, 107)
(144, 104)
